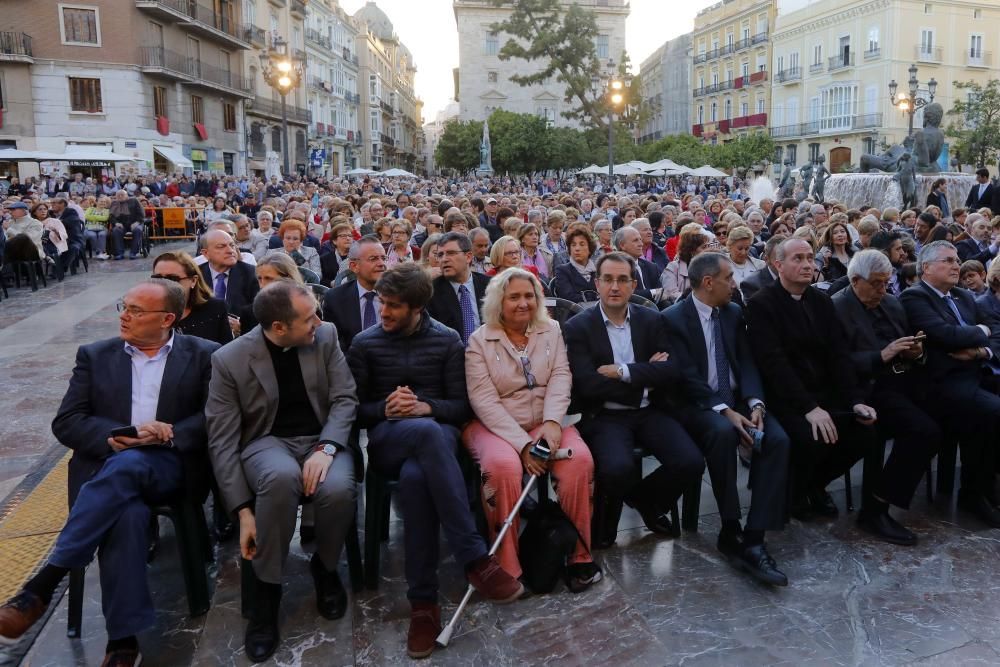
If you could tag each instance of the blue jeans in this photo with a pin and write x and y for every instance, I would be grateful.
(111, 517)
(98, 239)
(118, 240)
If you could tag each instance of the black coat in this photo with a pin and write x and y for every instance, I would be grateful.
(969, 249)
(99, 399)
(209, 321)
(342, 307)
(755, 282)
(866, 349)
(241, 288)
(430, 361)
(570, 285)
(444, 306)
(990, 198)
(330, 265)
(687, 339)
(74, 227)
(660, 258)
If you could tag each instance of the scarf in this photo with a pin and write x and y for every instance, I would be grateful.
(587, 271)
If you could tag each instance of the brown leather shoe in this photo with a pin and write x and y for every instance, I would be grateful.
(487, 577)
(425, 626)
(18, 614)
(123, 657)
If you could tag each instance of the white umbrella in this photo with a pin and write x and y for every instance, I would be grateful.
(14, 155)
(644, 166)
(665, 163)
(359, 171)
(707, 171)
(593, 169)
(395, 172)
(91, 153)
(627, 170)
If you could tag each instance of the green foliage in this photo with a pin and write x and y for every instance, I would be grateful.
(743, 151)
(976, 122)
(519, 142)
(458, 147)
(566, 148)
(681, 148)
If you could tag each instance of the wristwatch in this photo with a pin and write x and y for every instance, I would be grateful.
(327, 448)
(621, 371)
(763, 410)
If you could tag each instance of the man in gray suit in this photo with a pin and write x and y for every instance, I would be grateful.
(281, 405)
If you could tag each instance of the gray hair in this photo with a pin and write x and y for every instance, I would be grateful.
(705, 264)
(368, 239)
(536, 215)
(274, 302)
(601, 224)
(223, 225)
(236, 218)
(619, 237)
(493, 301)
(264, 214)
(640, 223)
(864, 264)
(477, 231)
(930, 253)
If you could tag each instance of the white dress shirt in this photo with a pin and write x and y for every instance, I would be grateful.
(708, 332)
(147, 375)
(471, 286)
(621, 349)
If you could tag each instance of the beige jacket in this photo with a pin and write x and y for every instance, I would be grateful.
(499, 391)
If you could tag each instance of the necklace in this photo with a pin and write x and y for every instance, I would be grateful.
(519, 347)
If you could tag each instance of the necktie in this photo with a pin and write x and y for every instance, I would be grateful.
(368, 312)
(468, 314)
(721, 362)
(220, 286)
(950, 300)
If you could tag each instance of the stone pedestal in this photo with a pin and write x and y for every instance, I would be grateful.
(881, 191)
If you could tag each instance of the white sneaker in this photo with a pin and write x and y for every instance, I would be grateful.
(102, 255)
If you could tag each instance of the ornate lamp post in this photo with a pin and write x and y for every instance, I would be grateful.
(283, 73)
(911, 103)
(615, 89)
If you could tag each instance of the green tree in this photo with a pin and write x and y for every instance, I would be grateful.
(518, 141)
(681, 148)
(458, 147)
(743, 152)
(565, 148)
(976, 122)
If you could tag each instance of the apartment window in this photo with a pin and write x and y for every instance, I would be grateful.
(491, 46)
(745, 71)
(793, 61)
(729, 39)
(794, 148)
(715, 78)
(760, 105)
(250, 12)
(813, 152)
(977, 13)
(715, 111)
(926, 42)
(197, 110)
(729, 109)
(928, 8)
(85, 95)
(159, 101)
(873, 39)
(701, 114)
(976, 47)
(602, 46)
(492, 77)
(818, 54)
(781, 64)
(746, 33)
(838, 106)
(228, 117)
(80, 25)
(869, 144)
(744, 109)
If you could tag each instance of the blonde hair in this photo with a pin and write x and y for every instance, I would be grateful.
(741, 233)
(493, 302)
(499, 248)
(284, 265)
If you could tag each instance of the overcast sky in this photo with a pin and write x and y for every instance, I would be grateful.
(427, 27)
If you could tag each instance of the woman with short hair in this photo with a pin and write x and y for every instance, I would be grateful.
(738, 244)
(292, 233)
(674, 279)
(575, 279)
(399, 250)
(519, 382)
(533, 254)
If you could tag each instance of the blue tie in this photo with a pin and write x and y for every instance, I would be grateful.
(468, 314)
(368, 312)
(950, 300)
(721, 362)
(220, 286)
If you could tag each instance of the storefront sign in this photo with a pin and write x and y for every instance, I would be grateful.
(199, 156)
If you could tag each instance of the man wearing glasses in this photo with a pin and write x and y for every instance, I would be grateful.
(156, 382)
(621, 376)
(458, 291)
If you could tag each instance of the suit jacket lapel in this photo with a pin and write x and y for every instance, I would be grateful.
(351, 305)
(173, 370)
(939, 304)
(122, 368)
(605, 355)
(263, 367)
(309, 362)
(696, 337)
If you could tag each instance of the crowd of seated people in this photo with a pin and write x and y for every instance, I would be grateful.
(798, 337)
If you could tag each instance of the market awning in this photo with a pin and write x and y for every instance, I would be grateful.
(80, 154)
(174, 157)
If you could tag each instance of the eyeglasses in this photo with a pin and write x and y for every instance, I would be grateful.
(375, 258)
(512, 253)
(948, 260)
(449, 253)
(526, 369)
(135, 311)
(345, 236)
(621, 281)
(174, 279)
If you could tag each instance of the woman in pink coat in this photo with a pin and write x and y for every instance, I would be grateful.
(519, 384)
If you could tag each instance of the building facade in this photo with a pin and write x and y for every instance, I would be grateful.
(730, 69)
(157, 80)
(433, 132)
(666, 90)
(483, 79)
(390, 111)
(833, 61)
(332, 80)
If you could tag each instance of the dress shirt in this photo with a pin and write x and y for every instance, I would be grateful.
(705, 317)
(376, 303)
(471, 286)
(621, 349)
(147, 375)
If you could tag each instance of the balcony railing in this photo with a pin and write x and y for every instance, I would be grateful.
(15, 46)
(751, 120)
(272, 108)
(192, 70)
(202, 18)
(928, 54)
(758, 77)
(386, 107)
(871, 54)
(742, 44)
(387, 140)
(789, 75)
(815, 67)
(700, 58)
(979, 59)
(759, 38)
(841, 61)
(724, 126)
(864, 122)
(298, 7)
(318, 38)
(318, 82)
(725, 49)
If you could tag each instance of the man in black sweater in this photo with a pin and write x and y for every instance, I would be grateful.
(806, 365)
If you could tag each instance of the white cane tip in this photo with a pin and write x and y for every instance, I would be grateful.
(443, 638)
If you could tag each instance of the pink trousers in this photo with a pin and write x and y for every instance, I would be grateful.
(572, 479)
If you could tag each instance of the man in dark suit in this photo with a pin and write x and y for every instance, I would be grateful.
(801, 354)
(353, 306)
(231, 280)
(75, 237)
(983, 193)
(766, 276)
(655, 253)
(458, 291)
(708, 336)
(958, 346)
(157, 381)
(621, 375)
(647, 276)
(888, 361)
(977, 246)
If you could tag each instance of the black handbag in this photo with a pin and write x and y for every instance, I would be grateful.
(545, 545)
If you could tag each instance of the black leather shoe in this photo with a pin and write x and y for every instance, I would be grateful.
(655, 519)
(262, 637)
(331, 598)
(977, 504)
(884, 527)
(822, 504)
(729, 544)
(757, 561)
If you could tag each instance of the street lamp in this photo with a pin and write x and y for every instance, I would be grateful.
(909, 104)
(614, 93)
(283, 73)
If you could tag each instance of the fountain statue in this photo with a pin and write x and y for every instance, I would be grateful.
(806, 172)
(887, 161)
(906, 176)
(821, 174)
(786, 186)
(929, 141)
(485, 153)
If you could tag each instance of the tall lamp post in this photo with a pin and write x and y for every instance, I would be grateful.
(614, 91)
(910, 103)
(283, 73)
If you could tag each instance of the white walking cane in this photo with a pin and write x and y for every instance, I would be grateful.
(445, 636)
